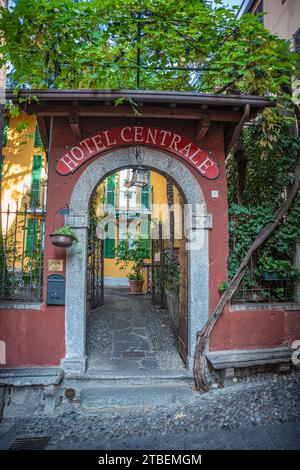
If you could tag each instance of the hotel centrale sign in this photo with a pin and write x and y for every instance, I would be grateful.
(167, 141)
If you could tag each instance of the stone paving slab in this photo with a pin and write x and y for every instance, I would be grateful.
(128, 334)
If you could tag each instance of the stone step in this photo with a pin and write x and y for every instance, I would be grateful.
(90, 381)
(122, 397)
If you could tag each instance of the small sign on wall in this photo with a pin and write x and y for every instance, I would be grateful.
(56, 265)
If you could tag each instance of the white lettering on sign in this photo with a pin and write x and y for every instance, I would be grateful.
(166, 140)
(76, 150)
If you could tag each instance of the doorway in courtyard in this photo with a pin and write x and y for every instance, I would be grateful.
(137, 276)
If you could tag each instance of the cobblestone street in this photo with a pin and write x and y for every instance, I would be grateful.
(259, 412)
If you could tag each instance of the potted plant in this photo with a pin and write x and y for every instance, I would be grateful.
(276, 269)
(133, 254)
(64, 237)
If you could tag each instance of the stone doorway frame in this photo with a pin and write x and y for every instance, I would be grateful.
(74, 362)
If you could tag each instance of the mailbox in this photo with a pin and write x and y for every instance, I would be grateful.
(56, 288)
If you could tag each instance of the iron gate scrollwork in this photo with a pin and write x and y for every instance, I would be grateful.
(95, 271)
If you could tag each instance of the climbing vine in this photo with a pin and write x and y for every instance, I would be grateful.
(150, 44)
(268, 172)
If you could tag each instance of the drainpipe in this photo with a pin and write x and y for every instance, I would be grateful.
(297, 265)
(238, 130)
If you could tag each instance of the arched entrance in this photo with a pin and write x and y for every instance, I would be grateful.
(76, 301)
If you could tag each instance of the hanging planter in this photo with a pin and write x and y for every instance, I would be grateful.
(271, 276)
(64, 237)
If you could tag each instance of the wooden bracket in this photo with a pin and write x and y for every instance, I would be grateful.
(43, 131)
(202, 128)
(75, 124)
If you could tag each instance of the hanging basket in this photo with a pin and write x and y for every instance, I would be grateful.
(63, 241)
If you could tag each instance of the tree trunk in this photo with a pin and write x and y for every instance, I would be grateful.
(200, 366)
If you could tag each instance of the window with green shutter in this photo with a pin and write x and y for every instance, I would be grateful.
(36, 174)
(31, 236)
(111, 190)
(4, 131)
(109, 245)
(37, 138)
(144, 231)
(145, 195)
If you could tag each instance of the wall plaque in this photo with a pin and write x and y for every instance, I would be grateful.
(56, 265)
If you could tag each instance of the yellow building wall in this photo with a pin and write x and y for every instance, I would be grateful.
(159, 199)
(18, 153)
(18, 158)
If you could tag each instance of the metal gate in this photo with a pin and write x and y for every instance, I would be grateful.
(95, 271)
(160, 250)
(158, 253)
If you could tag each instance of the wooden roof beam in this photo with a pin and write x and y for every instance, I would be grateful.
(147, 112)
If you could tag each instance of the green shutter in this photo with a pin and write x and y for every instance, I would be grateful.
(36, 173)
(31, 236)
(111, 190)
(109, 246)
(145, 195)
(145, 232)
(37, 138)
(4, 131)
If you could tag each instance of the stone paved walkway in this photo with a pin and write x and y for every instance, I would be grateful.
(129, 335)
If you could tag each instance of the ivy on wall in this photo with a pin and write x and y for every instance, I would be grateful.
(268, 171)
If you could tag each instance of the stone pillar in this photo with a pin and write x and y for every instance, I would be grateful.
(75, 360)
(297, 265)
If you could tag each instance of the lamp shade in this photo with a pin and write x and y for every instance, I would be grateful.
(139, 177)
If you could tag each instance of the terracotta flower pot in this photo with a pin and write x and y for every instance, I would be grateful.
(63, 241)
(136, 287)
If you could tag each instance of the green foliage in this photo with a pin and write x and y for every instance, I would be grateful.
(66, 230)
(133, 253)
(223, 287)
(284, 268)
(96, 44)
